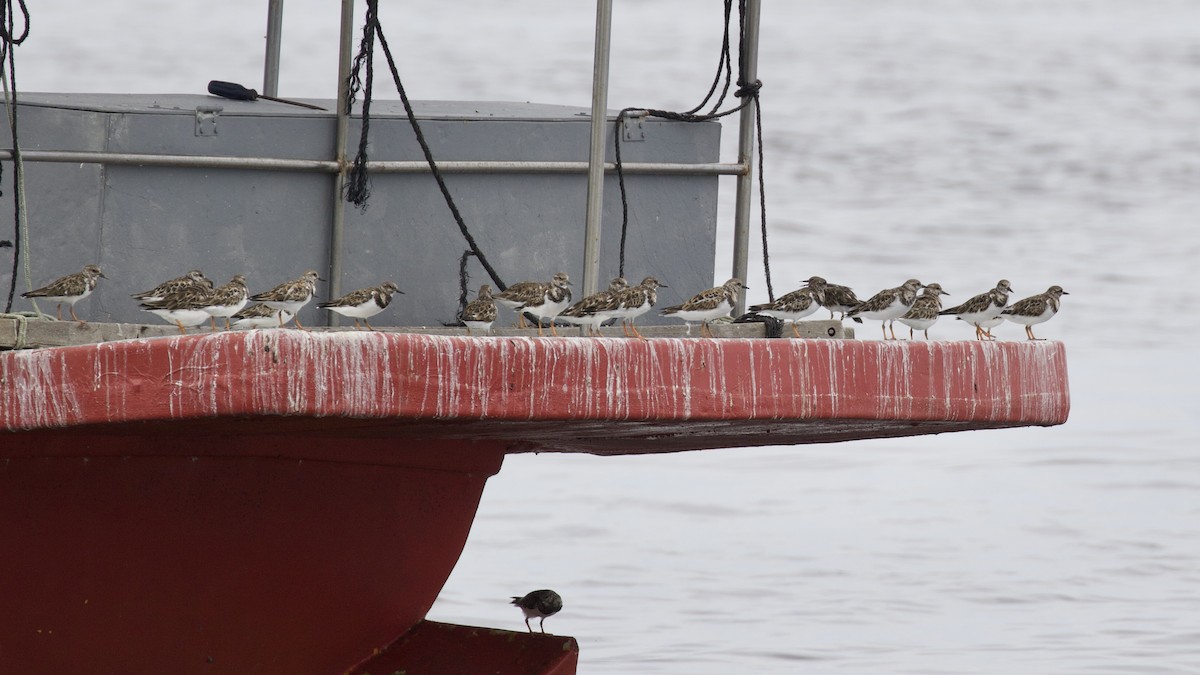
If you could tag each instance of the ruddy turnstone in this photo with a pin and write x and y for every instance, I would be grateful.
(192, 278)
(290, 296)
(538, 604)
(888, 305)
(549, 303)
(363, 303)
(983, 309)
(260, 316)
(924, 310)
(184, 308)
(1035, 309)
(480, 313)
(793, 306)
(596, 308)
(636, 301)
(69, 290)
(525, 292)
(836, 298)
(227, 300)
(707, 305)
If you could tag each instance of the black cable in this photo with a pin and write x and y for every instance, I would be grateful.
(723, 63)
(357, 187)
(7, 43)
(360, 169)
(747, 92)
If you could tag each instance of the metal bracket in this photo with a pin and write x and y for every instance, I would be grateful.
(632, 127)
(206, 120)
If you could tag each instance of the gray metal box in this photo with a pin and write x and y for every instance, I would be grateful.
(145, 224)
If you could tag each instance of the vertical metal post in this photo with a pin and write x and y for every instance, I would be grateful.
(274, 38)
(338, 221)
(745, 182)
(595, 191)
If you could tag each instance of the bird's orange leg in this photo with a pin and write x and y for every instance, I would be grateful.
(368, 324)
(635, 331)
(796, 331)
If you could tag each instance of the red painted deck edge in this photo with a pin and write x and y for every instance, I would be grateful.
(610, 392)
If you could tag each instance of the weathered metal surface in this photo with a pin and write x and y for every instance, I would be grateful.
(545, 394)
(145, 224)
(432, 647)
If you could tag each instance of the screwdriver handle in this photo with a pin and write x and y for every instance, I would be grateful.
(231, 90)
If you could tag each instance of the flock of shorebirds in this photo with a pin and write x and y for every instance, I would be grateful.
(191, 300)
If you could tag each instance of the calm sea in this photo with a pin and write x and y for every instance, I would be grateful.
(1045, 141)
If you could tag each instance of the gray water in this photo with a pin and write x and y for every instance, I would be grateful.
(1048, 142)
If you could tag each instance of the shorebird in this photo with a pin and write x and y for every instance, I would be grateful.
(260, 316)
(290, 296)
(596, 308)
(707, 305)
(538, 604)
(888, 305)
(548, 302)
(69, 290)
(227, 300)
(480, 313)
(1035, 309)
(524, 292)
(184, 308)
(636, 301)
(793, 306)
(924, 310)
(835, 298)
(363, 303)
(192, 278)
(983, 309)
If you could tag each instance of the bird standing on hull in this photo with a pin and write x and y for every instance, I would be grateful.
(1035, 309)
(888, 305)
(290, 296)
(636, 301)
(983, 309)
(185, 308)
(363, 303)
(480, 313)
(707, 305)
(924, 310)
(227, 300)
(538, 604)
(596, 308)
(793, 306)
(69, 290)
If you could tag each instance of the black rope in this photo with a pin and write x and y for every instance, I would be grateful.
(7, 43)
(762, 196)
(463, 280)
(723, 64)
(357, 187)
(747, 91)
(373, 24)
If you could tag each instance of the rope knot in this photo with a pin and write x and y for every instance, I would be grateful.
(747, 90)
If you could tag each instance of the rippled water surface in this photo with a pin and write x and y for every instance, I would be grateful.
(1051, 142)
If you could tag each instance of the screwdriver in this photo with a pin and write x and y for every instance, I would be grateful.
(237, 92)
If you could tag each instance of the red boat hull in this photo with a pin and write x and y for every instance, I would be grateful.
(280, 501)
